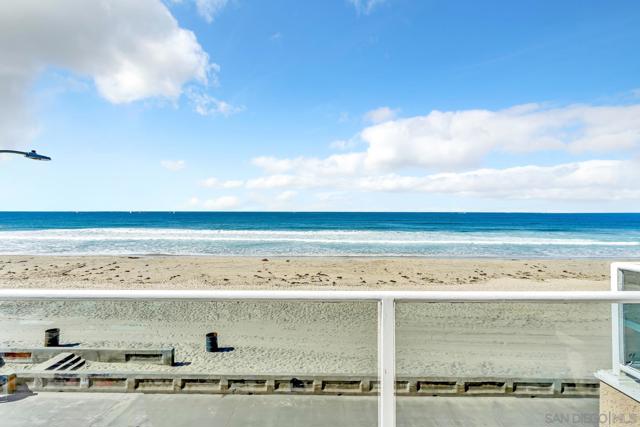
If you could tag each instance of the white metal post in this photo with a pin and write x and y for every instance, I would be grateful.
(616, 320)
(387, 362)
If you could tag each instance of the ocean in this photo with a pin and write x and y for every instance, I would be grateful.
(494, 235)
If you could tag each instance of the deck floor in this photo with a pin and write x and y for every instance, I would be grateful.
(116, 410)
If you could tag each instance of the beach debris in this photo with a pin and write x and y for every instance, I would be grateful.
(52, 337)
(211, 343)
(265, 259)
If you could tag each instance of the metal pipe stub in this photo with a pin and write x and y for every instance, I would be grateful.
(211, 343)
(52, 337)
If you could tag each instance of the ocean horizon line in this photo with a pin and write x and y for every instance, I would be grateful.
(134, 211)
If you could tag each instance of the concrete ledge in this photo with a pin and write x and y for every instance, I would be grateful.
(622, 382)
(128, 382)
(163, 356)
(619, 399)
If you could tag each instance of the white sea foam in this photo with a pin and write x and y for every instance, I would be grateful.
(106, 235)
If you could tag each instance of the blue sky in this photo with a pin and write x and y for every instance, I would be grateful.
(334, 105)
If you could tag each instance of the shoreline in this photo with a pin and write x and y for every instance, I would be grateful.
(345, 256)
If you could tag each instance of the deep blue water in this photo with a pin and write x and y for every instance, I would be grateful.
(288, 233)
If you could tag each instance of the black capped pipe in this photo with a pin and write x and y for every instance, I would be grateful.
(52, 337)
(211, 343)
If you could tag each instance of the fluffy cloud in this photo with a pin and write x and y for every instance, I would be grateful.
(222, 203)
(173, 165)
(380, 115)
(588, 180)
(337, 164)
(462, 139)
(365, 6)
(286, 196)
(443, 150)
(280, 181)
(459, 140)
(132, 50)
(208, 9)
(216, 183)
(206, 105)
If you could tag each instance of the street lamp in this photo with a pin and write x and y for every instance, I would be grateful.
(28, 154)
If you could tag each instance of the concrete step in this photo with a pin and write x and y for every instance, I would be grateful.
(79, 363)
(65, 361)
(54, 362)
(158, 356)
(69, 363)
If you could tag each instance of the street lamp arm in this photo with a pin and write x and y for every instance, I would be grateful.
(24, 153)
(28, 154)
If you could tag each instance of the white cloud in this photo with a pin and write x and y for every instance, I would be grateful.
(286, 196)
(365, 6)
(173, 165)
(222, 203)
(211, 182)
(444, 149)
(459, 140)
(462, 139)
(337, 164)
(273, 164)
(209, 9)
(331, 196)
(380, 115)
(234, 183)
(276, 181)
(439, 153)
(131, 50)
(587, 180)
(343, 144)
(216, 183)
(206, 105)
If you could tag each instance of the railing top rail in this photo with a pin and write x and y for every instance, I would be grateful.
(629, 266)
(332, 295)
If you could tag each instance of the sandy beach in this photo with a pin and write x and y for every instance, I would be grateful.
(188, 272)
(515, 340)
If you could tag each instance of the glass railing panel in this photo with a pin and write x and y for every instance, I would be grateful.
(631, 322)
(630, 280)
(493, 353)
(275, 360)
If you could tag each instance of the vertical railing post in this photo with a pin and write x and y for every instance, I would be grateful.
(387, 362)
(617, 328)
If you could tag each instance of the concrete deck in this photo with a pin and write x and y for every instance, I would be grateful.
(118, 409)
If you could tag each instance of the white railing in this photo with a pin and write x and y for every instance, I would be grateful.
(386, 312)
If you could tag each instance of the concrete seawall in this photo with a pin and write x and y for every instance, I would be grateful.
(128, 382)
(164, 356)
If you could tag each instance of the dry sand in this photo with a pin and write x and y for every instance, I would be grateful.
(515, 340)
(175, 272)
